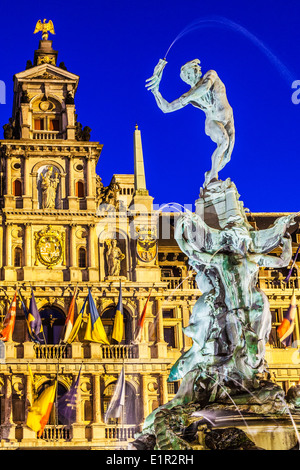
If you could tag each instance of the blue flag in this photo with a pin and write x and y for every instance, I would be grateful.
(34, 320)
(66, 405)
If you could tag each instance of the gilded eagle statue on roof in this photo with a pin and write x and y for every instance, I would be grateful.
(45, 28)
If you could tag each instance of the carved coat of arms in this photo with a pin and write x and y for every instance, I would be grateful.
(49, 247)
(146, 245)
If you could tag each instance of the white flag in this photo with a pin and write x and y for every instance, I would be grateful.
(114, 409)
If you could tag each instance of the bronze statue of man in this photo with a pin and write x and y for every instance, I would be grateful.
(209, 94)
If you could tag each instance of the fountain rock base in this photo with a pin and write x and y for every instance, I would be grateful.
(260, 420)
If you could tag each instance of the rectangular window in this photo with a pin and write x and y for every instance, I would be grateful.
(168, 313)
(169, 336)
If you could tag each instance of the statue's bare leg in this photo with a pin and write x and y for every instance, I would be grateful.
(231, 134)
(218, 134)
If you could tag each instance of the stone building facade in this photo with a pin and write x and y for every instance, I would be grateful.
(61, 229)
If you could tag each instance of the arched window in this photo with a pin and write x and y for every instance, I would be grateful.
(17, 188)
(82, 258)
(53, 320)
(18, 257)
(129, 412)
(80, 189)
(108, 317)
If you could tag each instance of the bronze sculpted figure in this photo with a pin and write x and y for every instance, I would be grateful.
(208, 93)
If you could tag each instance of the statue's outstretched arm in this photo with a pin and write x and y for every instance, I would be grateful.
(153, 83)
(269, 261)
(267, 240)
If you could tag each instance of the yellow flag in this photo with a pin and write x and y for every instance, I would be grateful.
(118, 329)
(39, 412)
(95, 330)
(75, 329)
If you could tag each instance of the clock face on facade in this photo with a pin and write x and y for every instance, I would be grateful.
(49, 247)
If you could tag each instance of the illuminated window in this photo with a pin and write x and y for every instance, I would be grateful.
(54, 125)
(39, 124)
(80, 189)
(17, 188)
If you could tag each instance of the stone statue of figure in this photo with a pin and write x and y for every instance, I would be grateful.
(209, 94)
(114, 256)
(49, 185)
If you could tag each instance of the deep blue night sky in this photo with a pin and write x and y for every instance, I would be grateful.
(114, 45)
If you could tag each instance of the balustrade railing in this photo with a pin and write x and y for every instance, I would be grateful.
(122, 433)
(121, 351)
(180, 283)
(52, 351)
(46, 135)
(58, 432)
(278, 284)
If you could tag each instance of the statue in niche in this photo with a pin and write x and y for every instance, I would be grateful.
(49, 184)
(114, 256)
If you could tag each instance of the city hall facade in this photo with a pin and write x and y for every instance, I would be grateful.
(62, 230)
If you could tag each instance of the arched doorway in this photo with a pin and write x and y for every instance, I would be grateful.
(53, 319)
(108, 317)
(129, 412)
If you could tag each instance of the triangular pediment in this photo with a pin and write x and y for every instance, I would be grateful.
(46, 72)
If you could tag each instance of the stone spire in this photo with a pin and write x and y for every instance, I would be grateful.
(139, 170)
(141, 196)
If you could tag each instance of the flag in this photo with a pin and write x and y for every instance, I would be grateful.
(117, 402)
(34, 320)
(293, 264)
(66, 405)
(70, 319)
(118, 328)
(287, 325)
(39, 412)
(9, 321)
(26, 313)
(77, 324)
(141, 320)
(31, 378)
(95, 331)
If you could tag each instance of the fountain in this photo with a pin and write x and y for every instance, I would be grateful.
(226, 399)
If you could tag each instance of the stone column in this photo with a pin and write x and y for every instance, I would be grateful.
(98, 426)
(27, 245)
(28, 262)
(161, 345)
(92, 254)
(75, 273)
(144, 395)
(90, 170)
(26, 190)
(9, 198)
(8, 427)
(71, 197)
(164, 397)
(8, 228)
